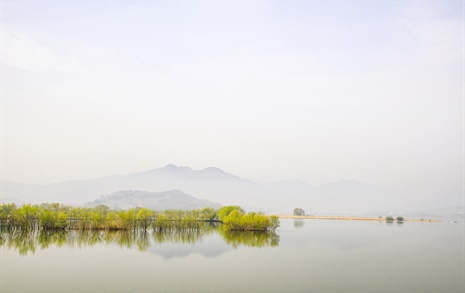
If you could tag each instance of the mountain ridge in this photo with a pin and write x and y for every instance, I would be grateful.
(164, 200)
(216, 185)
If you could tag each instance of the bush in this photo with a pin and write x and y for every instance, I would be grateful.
(299, 212)
(239, 221)
(400, 219)
(226, 210)
(389, 219)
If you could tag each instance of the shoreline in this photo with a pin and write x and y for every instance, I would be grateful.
(354, 218)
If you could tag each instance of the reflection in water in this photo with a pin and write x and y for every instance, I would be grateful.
(299, 223)
(28, 241)
(249, 238)
(23, 241)
(191, 236)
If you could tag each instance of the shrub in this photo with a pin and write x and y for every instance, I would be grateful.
(299, 212)
(226, 210)
(239, 221)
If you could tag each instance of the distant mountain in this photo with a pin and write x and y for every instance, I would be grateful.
(17, 192)
(216, 185)
(211, 183)
(173, 199)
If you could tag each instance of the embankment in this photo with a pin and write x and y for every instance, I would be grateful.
(353, 218)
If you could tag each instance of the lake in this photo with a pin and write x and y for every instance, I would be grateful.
(303, 256)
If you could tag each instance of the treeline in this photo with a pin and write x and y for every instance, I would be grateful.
(54, 216)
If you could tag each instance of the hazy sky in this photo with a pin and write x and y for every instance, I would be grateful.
(267, 90)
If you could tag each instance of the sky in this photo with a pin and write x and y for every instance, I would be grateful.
(266, 90)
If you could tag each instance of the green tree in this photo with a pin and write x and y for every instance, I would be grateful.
(226, 210)
(144, 218)
(127, 219)
(274, 223)
(97, 219)
(400, 219)
(233, 220)
(239, 221)
(62, 221)
(101, 208)
(26, 217)
(299, 212)
(208, 214)
(5, 215)
(389, 219)
(47, 220)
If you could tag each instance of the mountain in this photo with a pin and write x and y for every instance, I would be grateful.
(211, 183)
(216, 185)
(172, 199)
(16, 192)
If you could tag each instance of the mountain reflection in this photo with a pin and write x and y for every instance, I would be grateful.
(29, 241)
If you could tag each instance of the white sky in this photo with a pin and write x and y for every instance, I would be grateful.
(267, 90)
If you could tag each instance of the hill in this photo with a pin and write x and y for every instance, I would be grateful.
(167, 200)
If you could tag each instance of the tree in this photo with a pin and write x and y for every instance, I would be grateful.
(26, 216)
(400, 219)
(299, 212)
(62, 221)
(389, 219)
(144, 218)
(5, 211)
(47, 220)
(127, 219)
(208, 214)
(103, 209)
(274, 223)
(226, 210)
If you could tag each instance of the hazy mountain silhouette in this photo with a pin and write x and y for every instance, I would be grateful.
(211, 183)
(172, 199)
(216, 185)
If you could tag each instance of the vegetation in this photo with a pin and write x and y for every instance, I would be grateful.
(177, 220)
(299, 212)
(54, 216)
(389, 219)
(226, 210)
(240, 221)
(400, 219)
(28, 241)
(299, 223)
(249, 238)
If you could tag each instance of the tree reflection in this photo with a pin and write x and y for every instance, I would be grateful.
(46, 238)
(249, 238)
(299, 223)
(23, 241)
(28, 241)
(143, 240)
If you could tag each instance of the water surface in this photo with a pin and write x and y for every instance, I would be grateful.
(303, 256)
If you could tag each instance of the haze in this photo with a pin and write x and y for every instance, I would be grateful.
(267, 90)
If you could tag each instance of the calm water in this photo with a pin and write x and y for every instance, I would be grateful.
(303, 256)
